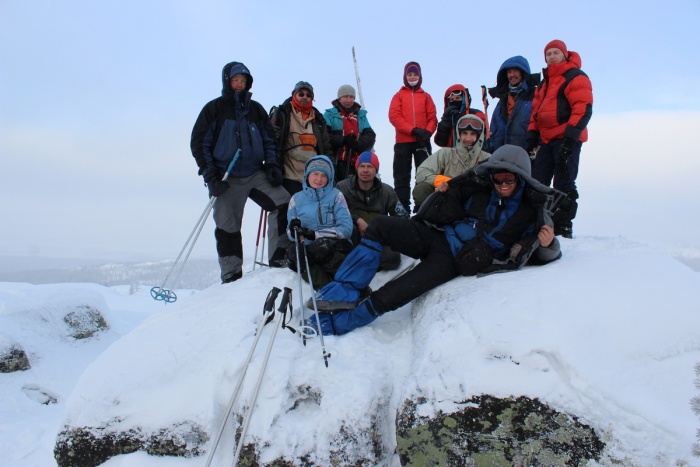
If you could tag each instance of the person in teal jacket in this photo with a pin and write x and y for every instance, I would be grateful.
(350, 131)
(319, 216)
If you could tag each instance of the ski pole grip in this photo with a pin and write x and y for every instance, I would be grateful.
(270, 301)
(230, 166)
(285, 299)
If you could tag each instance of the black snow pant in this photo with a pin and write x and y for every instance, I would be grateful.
(404, 154)
(416, 240)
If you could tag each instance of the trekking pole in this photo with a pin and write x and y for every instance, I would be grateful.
(283, 306)
(168, 296)
(268, 313)
(485, 100)
(357, 78)
(262, 223)
(326, 355)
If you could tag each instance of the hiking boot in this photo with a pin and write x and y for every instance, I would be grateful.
(566, 232)
(278, 259)
(232, 278)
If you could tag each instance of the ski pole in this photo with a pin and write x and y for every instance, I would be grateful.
(357, 78)
(283, 305)
(326, 355)
(262, 224)
(168, 296)
(268, 312)
(485, 100)
(302, 325)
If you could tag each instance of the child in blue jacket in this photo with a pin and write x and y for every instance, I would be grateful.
(320, 216)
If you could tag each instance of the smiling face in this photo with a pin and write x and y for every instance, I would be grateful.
(515, 76)
(504, 183)
(468, 137)
(347, 101)
(317, 179)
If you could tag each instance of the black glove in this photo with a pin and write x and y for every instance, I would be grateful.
(308, 233)
(566, 149)
(450, 111)
(422, 136)
(273, 173)
(533, 140)
(294, 224)
(213, 179)
(349, 139)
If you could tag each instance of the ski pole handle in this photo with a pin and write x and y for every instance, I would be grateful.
(270, 300)
(285, 299)
(230, 166)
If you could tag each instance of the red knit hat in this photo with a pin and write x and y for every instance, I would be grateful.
(367, 156)
(556, 44)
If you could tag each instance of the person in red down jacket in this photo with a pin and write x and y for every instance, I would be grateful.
(413, 114)
(561, 110)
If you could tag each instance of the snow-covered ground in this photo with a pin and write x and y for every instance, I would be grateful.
(615, 323)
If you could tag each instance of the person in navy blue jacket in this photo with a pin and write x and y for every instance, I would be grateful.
(226, 124)
(515, 89)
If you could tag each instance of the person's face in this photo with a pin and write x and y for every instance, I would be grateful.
(554, 55)
(455, 96)
(347, 101)
(468, 137)
(515, 76)
(238, 82)
(412, 76)
(504, 184)
(366, 172)
(304, 96)
(317, 179)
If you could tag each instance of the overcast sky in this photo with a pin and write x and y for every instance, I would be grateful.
(98, 99)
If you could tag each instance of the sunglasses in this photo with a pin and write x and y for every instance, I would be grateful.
(505, 177)
(306, 94)
(471, 124)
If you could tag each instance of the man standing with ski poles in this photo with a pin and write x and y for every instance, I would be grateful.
(226, 124)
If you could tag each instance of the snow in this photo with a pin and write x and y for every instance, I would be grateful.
(608, 333)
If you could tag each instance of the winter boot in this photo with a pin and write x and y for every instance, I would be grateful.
(564, 216)
(342, 322)
(278, 259)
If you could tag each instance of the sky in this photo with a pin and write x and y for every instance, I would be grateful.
(98, 99)
(598, 345)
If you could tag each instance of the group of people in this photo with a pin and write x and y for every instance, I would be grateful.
(483, 201)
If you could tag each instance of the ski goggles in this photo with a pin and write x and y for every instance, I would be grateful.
(504, 177)
(470, 124)
(455, 95)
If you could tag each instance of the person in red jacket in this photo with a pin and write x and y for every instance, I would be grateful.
(413, 114)
(561, 110)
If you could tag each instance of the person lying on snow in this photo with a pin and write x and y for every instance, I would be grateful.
(493, 218)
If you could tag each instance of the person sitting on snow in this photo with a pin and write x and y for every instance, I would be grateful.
(434, 173)
(495, 217)
(320, 216)
(368, 197)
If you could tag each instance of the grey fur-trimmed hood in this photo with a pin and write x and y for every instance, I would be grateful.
(513, 159)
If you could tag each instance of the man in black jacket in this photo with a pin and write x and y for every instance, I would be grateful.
(368, 198)
(495, 217)
(300, 134)
(228, 124)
